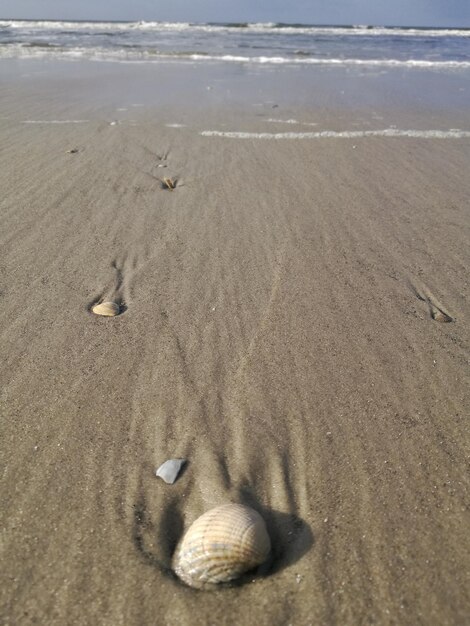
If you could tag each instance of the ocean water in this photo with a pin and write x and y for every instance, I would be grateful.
(257, 44)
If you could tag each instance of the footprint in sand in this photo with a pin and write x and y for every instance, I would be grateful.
(436, 310)
(113, 300)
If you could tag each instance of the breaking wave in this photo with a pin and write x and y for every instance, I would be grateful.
(37, 50)
(267, 27)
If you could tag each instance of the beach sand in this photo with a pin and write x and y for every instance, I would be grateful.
(280, 331)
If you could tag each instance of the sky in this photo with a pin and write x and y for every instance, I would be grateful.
(375, 12)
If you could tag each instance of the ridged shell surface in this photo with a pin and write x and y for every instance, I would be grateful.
(221, 545)
(108, 309)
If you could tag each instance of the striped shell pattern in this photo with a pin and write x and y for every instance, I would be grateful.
(221, 545)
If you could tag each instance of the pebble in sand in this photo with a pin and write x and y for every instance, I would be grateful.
(169, 470)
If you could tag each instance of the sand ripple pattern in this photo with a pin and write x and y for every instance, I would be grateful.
(271, 337)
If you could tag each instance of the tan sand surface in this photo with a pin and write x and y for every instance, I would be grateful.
(277, 332)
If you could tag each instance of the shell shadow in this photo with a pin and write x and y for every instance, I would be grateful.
(291, 537)
(165, 534)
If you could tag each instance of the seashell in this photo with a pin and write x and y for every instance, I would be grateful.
(440, 316)
(221, 545)
(109, 309)
(169, 470)
(169, 183)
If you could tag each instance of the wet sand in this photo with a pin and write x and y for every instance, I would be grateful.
(279, 329)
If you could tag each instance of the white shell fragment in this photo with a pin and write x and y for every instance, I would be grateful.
(170, 469)
(108, 309)
(221, 545)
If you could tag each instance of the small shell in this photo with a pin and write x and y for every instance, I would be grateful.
(169, 470)
(440, 316)
(221, 545)
(109, 309)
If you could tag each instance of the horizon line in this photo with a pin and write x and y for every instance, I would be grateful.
(231, 23)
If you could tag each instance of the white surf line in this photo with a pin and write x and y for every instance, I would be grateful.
(292, 121)
(274, 121)
(347, 134)
(175, 125)
(54, 121)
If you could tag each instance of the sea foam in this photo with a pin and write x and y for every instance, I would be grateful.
(346, 134)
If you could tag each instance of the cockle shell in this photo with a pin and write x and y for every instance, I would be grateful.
(109, 309)
(221, 545)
